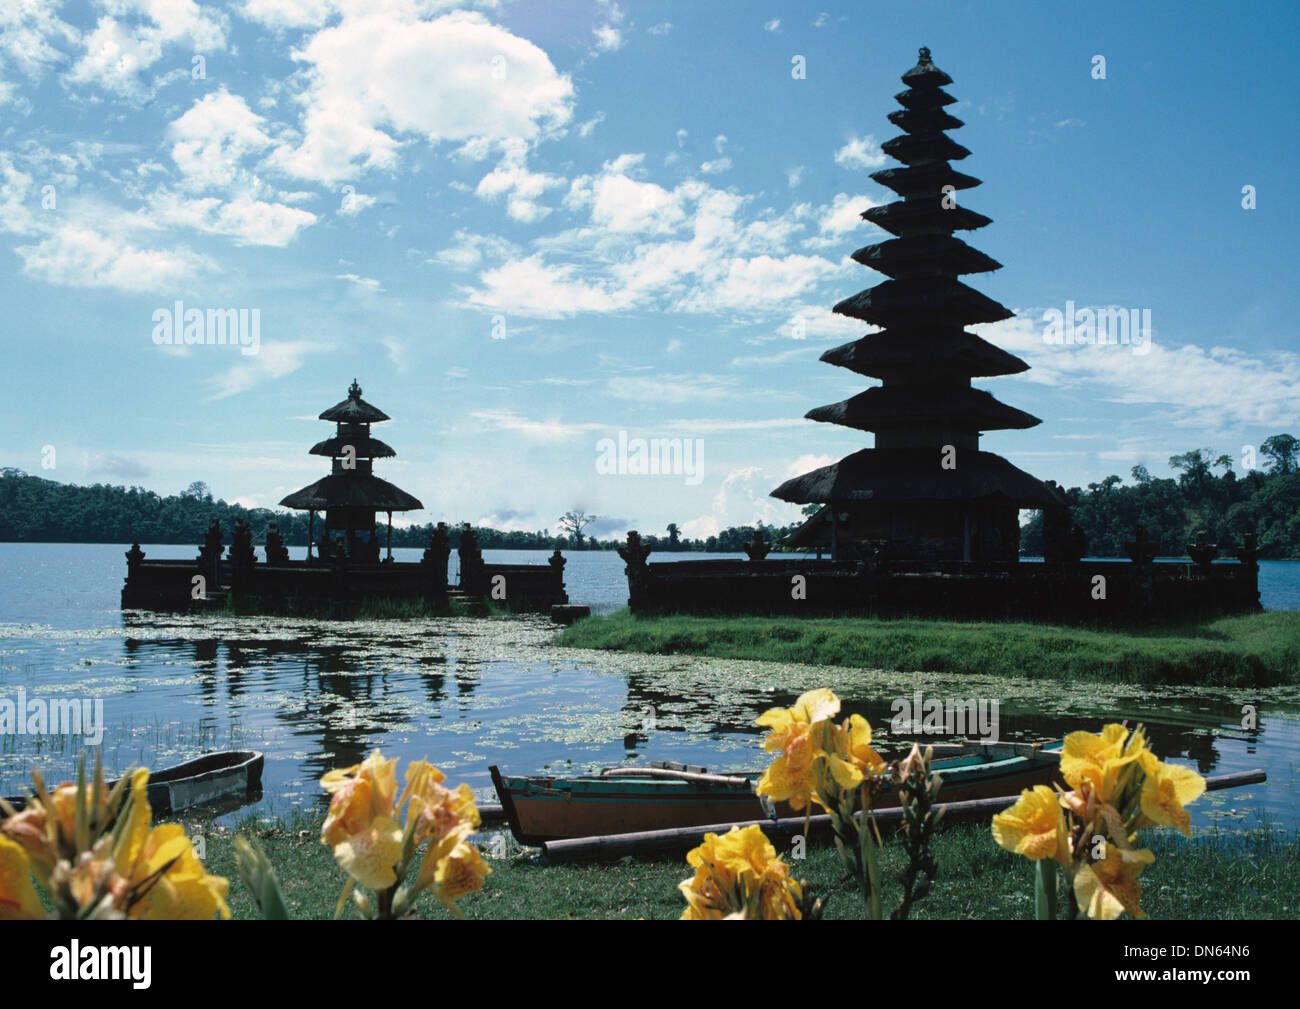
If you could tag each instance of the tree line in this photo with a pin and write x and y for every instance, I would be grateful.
(1264, 501)
(37, 510)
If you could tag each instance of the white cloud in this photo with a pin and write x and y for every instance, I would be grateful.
(130, 41)
(532, 288)
(79, 256)
(773, 25)
(212, 139)
(716, 166)
(682, 388)
(365, 283)
(521, 187)
(273, 360)
(861, 152)
(248, 221)
(584, 129)
(534, 430)
(353, 202)
(382, 77)
(1214, 389)
(662, 28)
(608, 38)
(794, 176)
(471, 249)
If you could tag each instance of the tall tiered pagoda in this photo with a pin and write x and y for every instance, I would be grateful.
(925, 489)
(351, 496)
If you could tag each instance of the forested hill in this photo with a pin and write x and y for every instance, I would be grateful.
(1265, 502)
(36, 510)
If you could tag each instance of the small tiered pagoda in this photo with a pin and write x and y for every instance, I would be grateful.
(351, 496)
(925, 491)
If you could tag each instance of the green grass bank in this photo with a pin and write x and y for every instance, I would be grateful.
(1214, 876)
(1260, 649)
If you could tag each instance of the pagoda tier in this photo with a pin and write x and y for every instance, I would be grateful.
(351, 495)
(881, 355)
(925, 487)
(957, 410)
(924, 256)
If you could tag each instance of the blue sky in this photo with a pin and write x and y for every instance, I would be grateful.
(528, 227)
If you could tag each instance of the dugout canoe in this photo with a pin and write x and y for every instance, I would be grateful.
(200, 781)
(663, 795)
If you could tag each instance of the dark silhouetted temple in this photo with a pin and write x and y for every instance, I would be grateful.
(343, 570)
(351, 496)
(925, 522)
(925, 488)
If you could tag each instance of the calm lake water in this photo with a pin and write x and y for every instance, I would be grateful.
(314, 695)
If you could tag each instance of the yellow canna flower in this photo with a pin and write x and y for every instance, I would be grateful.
(1098, 761)
(1034, 826)
(739, 875)
(1107, 888)
(18, 897)
(785, 723)
(849, 752)
(461, 872)
(1166, 789)
(158, 876)
(790, 776)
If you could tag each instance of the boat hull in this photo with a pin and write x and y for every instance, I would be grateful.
(541, 809)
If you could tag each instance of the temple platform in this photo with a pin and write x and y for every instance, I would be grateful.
(1106, 593)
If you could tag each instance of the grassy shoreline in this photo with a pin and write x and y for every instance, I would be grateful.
(1216, 875)
(1261, 649)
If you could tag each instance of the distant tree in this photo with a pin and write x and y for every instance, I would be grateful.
(1141, 475)
(1281, 450)
(674, 542)
(1224, 462)
(198, 491)
(1194, 467)
(573, 523)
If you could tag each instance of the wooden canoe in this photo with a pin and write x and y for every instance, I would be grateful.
(660, 796)
(200, 781)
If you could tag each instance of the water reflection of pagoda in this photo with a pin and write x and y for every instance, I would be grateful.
(351, 496)
(925, 488)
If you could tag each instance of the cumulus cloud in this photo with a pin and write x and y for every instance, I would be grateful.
(382, 77)
(80, 256)
(861, 152)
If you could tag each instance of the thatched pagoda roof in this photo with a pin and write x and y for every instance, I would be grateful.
(924, 214)
(362, 491)
(923, 180)
(952, 351)
(904, 476)
(890, 407)
(363, 445)
(354, 409)
(925, 74)
(924, 254)
(933, 300)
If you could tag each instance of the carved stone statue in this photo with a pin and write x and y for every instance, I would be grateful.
(437, 552)
(1202, 551)
(758, 547)
(634, 552)
(276, 551)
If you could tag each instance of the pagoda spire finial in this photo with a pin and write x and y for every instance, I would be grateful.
(924, 53)
(354, 390)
